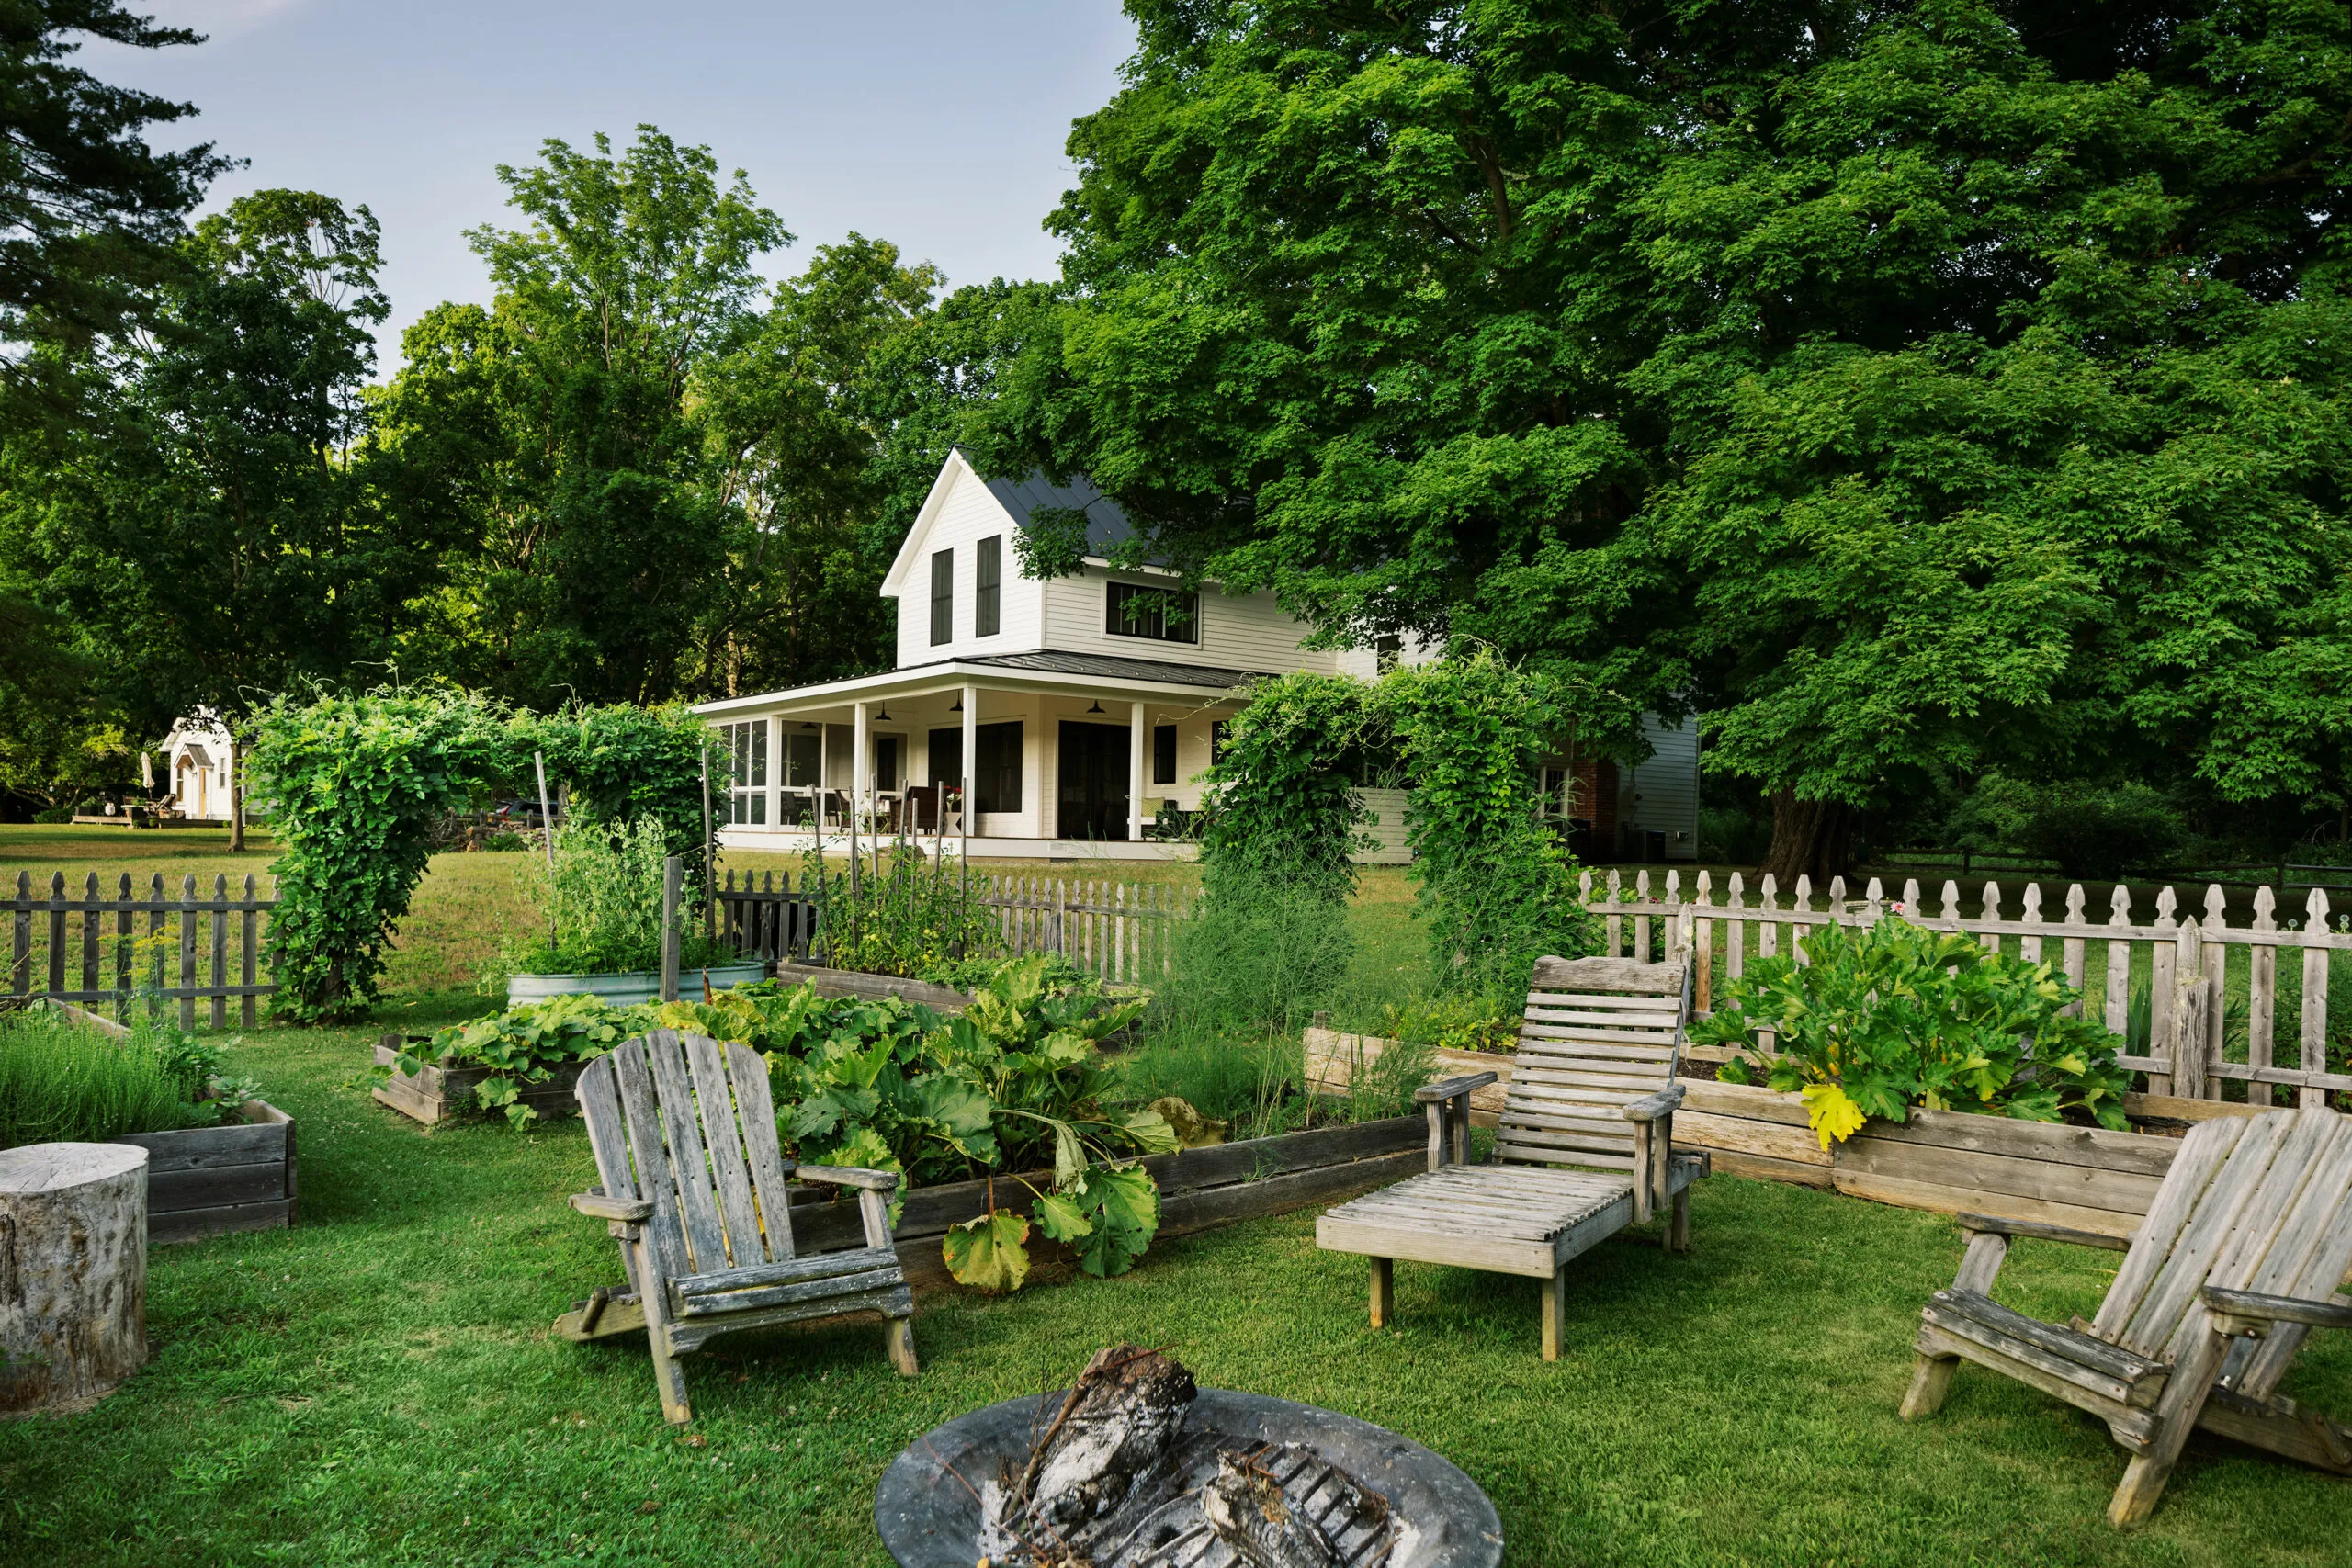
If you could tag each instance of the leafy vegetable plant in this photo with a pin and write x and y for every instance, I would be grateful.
(1897, 1015)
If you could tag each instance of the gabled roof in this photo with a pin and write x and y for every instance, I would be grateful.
(1106, 526)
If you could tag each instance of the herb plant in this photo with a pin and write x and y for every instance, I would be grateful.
(1896, 1015)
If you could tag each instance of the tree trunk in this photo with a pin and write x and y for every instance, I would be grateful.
(236, 798)
(1810, 838)
(72, 1273)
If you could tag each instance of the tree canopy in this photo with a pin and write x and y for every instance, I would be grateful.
(1906, 387)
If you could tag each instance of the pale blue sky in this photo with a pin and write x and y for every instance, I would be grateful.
(936, 125)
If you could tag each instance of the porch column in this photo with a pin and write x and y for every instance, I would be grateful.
(971, 755)
(861, 767)
(776, 770)
(1134, 772)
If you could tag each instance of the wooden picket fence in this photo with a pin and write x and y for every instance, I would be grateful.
(2183, 962)
(102, 932)
(1122, 931)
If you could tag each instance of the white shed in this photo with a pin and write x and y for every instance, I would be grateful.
(197, 759)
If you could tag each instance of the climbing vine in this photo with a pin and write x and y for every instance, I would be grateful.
(351, 786)
(1283, 806)
(1496, 890)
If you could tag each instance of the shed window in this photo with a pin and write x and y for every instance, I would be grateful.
(988, 594)
(942, 596)
(747, 770)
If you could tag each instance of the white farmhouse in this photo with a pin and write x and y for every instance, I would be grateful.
(1080, 711)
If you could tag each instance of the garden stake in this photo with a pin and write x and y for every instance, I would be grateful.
(547, 837)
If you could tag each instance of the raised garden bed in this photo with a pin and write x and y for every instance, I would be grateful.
(206, 1182)
(2086, 1178)
(857, 983)
(436, 1094)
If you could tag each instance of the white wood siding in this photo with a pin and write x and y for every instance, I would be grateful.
(967, 514)
(1238, 631)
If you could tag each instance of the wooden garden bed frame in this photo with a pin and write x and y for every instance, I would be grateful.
(202, 1181)
(436, 1094)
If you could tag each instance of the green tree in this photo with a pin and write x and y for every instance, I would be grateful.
(88, 211)
(202, 524)
(1911, 387)
(558, 427)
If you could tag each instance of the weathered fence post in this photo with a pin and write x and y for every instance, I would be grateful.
(2313, 1058)
(2191, 992)
(671, 869)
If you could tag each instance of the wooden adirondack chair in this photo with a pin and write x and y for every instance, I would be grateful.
(1584, 1146)
(2237, 1262)
(695, 1192)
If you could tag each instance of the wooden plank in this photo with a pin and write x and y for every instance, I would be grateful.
(2201, 1239)
(1907, 1193)
(2202, 1156)
(747, 1070)
(2050, 1180)
(1765, 1167)
(733, 1303)
(784, 1271)
(215, 1185)
(247, 941)
(1747, 1136)
(201, 1148)
(220, 923)
(1585, 974)
(90, 937)
(2311, 1055)
(689, 1160)
(1421, 1242)
(20, 958)
(2134, 1154)
(656, 1182)
(188, 950)
(893, 1301)
(2064, 1367)
(731, 1172)
(2171, 1107)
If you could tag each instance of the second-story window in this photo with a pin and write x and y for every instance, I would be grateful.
(942, 596)
(1159, 614)
(986, 594)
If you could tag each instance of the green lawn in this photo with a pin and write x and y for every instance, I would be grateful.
(378, 1386)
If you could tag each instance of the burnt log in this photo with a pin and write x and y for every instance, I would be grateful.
(1118, 1423)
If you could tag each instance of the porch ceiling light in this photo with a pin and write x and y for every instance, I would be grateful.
(1095, 708)
(883, 712)
(956, 707)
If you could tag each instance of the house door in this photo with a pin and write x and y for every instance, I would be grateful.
(1093, 781)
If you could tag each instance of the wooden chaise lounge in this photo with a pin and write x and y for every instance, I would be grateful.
(1584, 1148)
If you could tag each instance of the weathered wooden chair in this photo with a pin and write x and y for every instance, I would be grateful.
(1583, 1149)
(695, 1192)
(2237, 1261)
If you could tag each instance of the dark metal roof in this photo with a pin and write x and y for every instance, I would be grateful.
(1115, 667)
(198, 755)
(1106, 526)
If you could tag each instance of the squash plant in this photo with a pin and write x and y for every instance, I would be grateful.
(1896, 1015)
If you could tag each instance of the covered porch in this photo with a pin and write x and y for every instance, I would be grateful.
(1019, 756)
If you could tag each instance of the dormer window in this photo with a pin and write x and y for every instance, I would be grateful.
(1161, 614)
(942, 596)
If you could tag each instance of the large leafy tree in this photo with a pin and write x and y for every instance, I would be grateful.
(1908, 386)
(558, 428)
(201, 524)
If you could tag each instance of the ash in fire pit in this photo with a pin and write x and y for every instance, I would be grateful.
(1133, 1467)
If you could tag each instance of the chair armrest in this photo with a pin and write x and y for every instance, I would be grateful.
(1650, 1107)
(623, 1211)
(1993, 1225)
(851, 1176)
(1446, 1088)
(2253, 1304)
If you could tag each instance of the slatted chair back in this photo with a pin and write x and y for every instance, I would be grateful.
(686, 1124)
(1599, 1033)
(2260, 1203)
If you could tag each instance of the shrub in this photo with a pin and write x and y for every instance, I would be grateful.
(625, 766)
(1255, 954)
(62, 1081)
(1281, 810)
(2091, 830)
(1897, 1015)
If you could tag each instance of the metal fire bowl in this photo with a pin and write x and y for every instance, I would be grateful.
(928, 1519)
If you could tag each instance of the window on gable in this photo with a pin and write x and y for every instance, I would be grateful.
(1160, 614)
(987, 595)
(942, 596)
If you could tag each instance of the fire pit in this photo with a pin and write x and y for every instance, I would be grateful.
(1136, 1468)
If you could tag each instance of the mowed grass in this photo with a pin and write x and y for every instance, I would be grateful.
(379, 1386)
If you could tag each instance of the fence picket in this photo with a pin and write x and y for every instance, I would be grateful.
(90, 934)
(2261, 995)
(1736, 930)
(1616, 919)
(20, 958)
(219, 950)
(2074, 948)
(1642, 916)
(188, 950)
(2313, 1056)
(1991, 910)
(245, 932)
(56, 931)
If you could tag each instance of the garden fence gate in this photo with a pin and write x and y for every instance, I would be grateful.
(1120, 931)
(109, 936)
(2179, 967)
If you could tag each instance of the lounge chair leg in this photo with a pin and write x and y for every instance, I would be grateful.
(2176, 1410)
(1930, 1381)
(898, 1333)
(1384, 1291)
(1677, 1229)
(1553, 1291)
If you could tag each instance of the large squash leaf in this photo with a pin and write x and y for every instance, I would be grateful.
(990, 1253)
